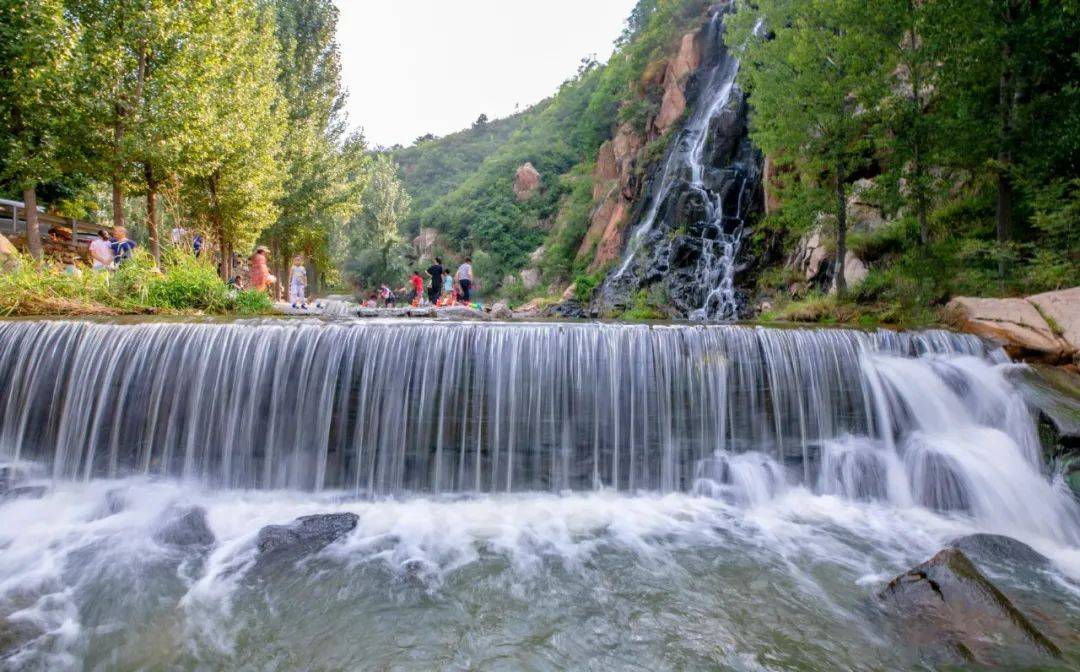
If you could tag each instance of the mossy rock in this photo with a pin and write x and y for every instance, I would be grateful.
(950, 612)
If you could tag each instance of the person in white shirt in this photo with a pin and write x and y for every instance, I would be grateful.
(464, 279)
(178, 234)
(101, 252)
(297, 283)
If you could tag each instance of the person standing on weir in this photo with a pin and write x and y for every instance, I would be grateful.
(464, 279)
(436, 272)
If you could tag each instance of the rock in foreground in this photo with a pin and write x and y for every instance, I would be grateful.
(304, 535)
(946, 608)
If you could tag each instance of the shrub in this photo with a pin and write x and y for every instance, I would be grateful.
(252, 302)
(187, 284)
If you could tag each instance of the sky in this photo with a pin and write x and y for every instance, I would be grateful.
(433, 66)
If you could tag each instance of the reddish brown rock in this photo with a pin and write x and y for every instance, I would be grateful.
(424, 243)
(678, 69)
(526, 182)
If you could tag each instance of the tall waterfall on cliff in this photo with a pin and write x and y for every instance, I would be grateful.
(691, 232)
(391, 408)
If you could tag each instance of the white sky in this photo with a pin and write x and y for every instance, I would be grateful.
(433, 66)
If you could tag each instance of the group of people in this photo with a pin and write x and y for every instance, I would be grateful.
(446, 289)
(261, 279)
(107, 251)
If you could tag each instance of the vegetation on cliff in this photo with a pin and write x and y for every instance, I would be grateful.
(560, 137)
(960, 120)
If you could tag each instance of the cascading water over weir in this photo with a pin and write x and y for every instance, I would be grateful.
(522, 474)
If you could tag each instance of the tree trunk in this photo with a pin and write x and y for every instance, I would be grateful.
(33, 235)
(117, 185)
(841, 236)
(224, 246)
(152, 214)
(1006, 101)
(117, 201)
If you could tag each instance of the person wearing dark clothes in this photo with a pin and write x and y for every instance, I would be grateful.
(464, 279)
(436, 273)
(121, 245)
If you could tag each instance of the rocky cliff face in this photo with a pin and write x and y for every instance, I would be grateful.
(680, 238)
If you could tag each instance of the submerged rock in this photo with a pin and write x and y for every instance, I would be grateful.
(996, 548)
(304, 535)
(948, 609)
(23, 492)
(186, 527)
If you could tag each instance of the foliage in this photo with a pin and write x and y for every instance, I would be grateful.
(182, 284)
(966, 117)
(644, 308)
(374, 252)
(187, 284)
(325, 171)
(252, 302)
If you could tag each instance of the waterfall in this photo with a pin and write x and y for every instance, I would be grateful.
(701, 198)
(392, 408)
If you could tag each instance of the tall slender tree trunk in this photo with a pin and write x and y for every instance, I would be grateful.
(224, 245)
(1006, 102)
(117, 201)
(33, 235)
(152, 217)
(117, 176)
(841, 234)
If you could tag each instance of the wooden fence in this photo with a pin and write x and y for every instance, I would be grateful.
(56, 232)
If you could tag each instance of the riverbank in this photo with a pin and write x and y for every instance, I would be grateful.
(181, 285)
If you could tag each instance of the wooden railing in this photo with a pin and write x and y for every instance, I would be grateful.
(51, 228)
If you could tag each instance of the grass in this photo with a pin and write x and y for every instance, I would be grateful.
(182, 285)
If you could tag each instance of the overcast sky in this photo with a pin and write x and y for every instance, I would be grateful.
(433, 66)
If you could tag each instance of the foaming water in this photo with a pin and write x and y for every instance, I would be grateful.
(541, 496)
(542, 581)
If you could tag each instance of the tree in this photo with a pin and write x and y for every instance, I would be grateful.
(375, 251)
(35, 49)
(235, 188)
(812, 83)
(481, 121)
(172, 111)
(318, 195)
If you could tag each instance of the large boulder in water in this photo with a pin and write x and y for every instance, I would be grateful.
(304, 535)
(949, 610)
(1053, 394)
(185, 528)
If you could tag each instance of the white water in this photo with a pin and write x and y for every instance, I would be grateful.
(418, 574)
(818, 465)
(684, 167)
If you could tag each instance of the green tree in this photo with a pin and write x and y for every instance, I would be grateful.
(812, 84)
(234, 190)
(318, 194)
(35, 47)
(376, 248)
